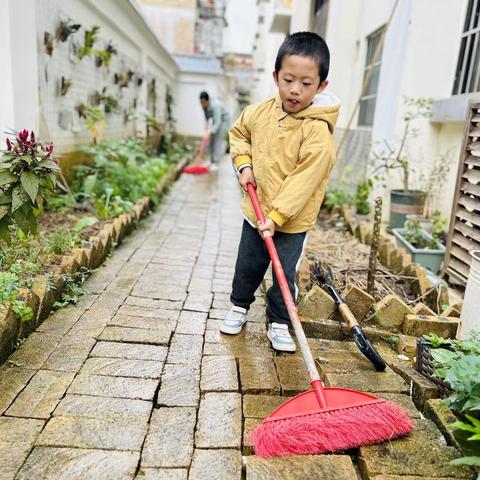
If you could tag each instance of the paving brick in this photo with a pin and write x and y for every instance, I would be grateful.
(130, 351)
(40, 397)
(338, 467)
(292, 374)
(185, 349)
(216, 464)
(103, 407)
(374, 382)
(70, 354)
(142, 322)
(199, 302)
(261, 406)
(418, 325)
(76, 463)
(12, 381)
(246, 337)
(191, 323)
(82, 432)
(219, 421)
(154, 304)
(136, 335)
(120, 367)
(422, 309)
(219, 313)
(148, 312)
(61, 321)
(169, 442)
(179, 386)
(119, 387)
(342, 362)
(162, 474)
(158, 291)
(35, 350)
(248, 426)
(358, 300)
(17, 438)
(219, 374)
(258, 375)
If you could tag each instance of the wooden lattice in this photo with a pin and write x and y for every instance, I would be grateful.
(464, 234)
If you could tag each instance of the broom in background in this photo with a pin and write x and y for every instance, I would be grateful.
(197, 168)
(323, 419)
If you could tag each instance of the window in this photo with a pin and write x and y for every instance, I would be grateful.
(467, 75)
(367, 102)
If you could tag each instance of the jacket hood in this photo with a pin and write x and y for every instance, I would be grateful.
(325, 106)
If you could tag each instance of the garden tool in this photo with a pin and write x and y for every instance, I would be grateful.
(197, 168)
(324, 276)
(324, 419)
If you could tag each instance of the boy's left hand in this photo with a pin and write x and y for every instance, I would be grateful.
(266, 229)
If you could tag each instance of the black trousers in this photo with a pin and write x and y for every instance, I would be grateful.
(252, 263)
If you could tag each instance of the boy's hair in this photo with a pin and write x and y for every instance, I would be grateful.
(204, 96)
(306, 44)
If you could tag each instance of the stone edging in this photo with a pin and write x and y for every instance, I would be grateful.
(45, 292)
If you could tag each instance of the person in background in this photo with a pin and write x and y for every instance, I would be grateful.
(217, 118)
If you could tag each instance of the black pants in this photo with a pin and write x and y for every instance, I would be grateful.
(252, 263)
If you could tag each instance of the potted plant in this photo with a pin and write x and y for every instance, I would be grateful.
(405, 200)
(425, 249)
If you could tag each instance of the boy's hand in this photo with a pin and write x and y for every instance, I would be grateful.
(266, 229)
(247, 177)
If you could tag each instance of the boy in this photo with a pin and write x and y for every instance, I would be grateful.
(284, 147)
(216, 111)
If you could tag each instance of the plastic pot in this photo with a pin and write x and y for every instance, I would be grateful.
(403, 203)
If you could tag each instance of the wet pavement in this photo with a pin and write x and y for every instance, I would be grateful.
(136, 381)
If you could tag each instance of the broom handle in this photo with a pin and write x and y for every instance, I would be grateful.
(201, 148)
(315, 381)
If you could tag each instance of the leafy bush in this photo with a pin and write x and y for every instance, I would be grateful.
(27, 178)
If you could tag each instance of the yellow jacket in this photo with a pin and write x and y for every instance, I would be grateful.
(291, 155)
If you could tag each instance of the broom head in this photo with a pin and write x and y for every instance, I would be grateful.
(352, 419)
(196, 169)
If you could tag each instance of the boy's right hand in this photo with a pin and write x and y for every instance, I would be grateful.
(247, 177)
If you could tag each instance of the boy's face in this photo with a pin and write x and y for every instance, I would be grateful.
(298, 81)
(204, 103)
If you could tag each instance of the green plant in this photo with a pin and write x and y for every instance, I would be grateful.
(395, 157)
(94, 117)
(414, 234)
(439, 224)
(90, 38)
(362, 194)
(72, 291)
(103, 57)
(9, 287)
(472, 425)
(28, 175)
(85, 222)
(110, 103)
(62, 241)
(65, 29)
(436, 341)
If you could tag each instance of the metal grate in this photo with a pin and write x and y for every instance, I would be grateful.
(464, 234)
(467, 75)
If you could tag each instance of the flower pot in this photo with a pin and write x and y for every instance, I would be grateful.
(469, 318)
(425, 223)
(431, 259)
(403, 203)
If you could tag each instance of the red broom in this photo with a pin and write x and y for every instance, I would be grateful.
(196, 167)
(323, 419)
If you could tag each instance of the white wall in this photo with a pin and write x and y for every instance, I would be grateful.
(187, 109)
(30, 88)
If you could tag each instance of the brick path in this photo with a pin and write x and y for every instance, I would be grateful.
(136, 381)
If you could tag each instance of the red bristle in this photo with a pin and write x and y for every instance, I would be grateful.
(331, 431)
(196, 169)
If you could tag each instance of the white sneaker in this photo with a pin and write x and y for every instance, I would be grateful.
(280, 337)
(234, 320)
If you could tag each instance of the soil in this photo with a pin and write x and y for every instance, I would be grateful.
(332, 244)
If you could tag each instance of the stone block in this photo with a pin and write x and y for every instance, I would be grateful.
(362, 230)
(341, 362)
(191, 323)
(32, 301)
(80, 257)
(70, 463)
(70, 354)
(292, 375)
(358, 300)
(450, 311)
(385, 252)
(338, 467)
(407, 345)
(443, 417)
(40, 397)
(372, 382)
(9, 326)
(258, 375)
(317, 304)
(219, 422)
(162, 474)
(179, 386)
(304, 278)
(422, 309)
(169, 442)
(16, 441)
(103, 407)
(117, 387)
(418, 325)
(13, 380)
(261, 406)
(248, 426)
(198, 302)
(186, 349)
(130, 351)
(216, 465)
(390, 312)
(120, 367)
(219, 374)
(323, 328)
(135, 335)
(35, 350)
(81, 432)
